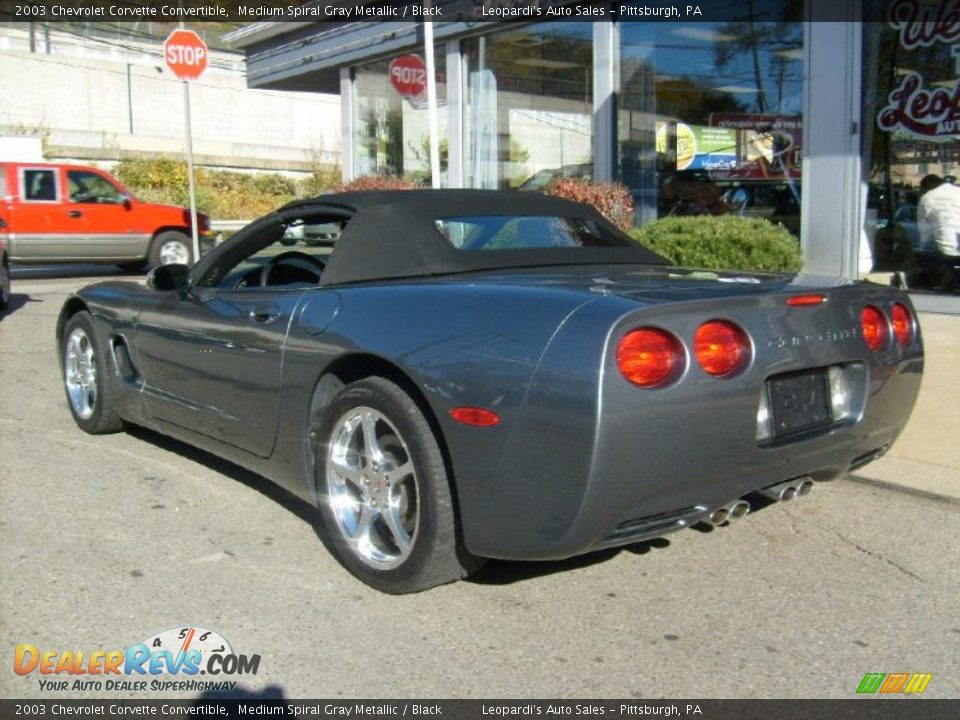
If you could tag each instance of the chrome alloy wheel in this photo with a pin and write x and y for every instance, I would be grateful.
(174, 251)
(80, 373)
(372, 488)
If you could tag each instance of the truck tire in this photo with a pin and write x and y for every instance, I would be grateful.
(170, 246)
(4, 284)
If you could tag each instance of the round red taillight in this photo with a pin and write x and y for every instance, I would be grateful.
(875, 329)
(721, 348)
(649, 357)
(902, 324)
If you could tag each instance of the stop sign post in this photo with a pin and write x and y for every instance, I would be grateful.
(186, 53)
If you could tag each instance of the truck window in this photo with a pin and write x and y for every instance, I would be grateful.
(88, 187)
(39, 185)
(3, 181)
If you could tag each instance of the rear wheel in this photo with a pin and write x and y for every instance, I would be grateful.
(169, 247)
(92, 389)
(384, 491)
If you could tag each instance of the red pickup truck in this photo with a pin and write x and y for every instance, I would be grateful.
(72, 213)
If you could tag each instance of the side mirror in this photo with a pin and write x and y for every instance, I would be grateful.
(127, 204)
(169, 278)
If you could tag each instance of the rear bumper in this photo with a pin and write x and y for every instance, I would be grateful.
(638, 464)
(645, 485)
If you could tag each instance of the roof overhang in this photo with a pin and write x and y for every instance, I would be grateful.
(307, 56)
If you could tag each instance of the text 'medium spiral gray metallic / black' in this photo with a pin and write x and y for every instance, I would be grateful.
(459, 375)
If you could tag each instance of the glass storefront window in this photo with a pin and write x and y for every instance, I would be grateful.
(529, 105)
(393, 128)
(709, 117)
(911, 146)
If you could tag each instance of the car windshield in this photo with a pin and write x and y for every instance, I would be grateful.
(514, 232)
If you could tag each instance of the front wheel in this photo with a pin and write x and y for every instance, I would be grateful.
(92, 389)
(170, 247)
(384, 491)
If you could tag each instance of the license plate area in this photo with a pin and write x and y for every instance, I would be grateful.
(799, 402)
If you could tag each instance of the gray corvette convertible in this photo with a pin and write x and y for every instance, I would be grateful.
(479, 374)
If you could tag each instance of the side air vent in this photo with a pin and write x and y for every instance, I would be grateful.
(128, 373)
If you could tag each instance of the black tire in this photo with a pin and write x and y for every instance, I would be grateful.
(167, 244)
(436, 554)
(4, 284)
(103, 417)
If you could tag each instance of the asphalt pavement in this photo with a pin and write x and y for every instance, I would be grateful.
(106, 541)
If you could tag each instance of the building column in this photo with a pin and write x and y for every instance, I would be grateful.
(456, 108)
(606, 83)
(832, 206)
(348, 106)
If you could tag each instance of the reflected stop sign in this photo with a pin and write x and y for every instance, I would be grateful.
(185, 53)
(408, 75)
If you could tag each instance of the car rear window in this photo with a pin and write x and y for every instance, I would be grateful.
(521, 232)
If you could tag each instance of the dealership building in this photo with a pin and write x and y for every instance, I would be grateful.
(760, 108)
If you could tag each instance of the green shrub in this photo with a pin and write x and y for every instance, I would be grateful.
(324, 178)
(223, 194)
(612, 200)
(722, 243)
(380, 182)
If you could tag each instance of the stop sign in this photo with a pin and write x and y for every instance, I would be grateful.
(408, 75)
(185, 53)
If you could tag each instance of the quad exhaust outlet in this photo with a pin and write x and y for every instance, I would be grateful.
(798, 487)
(731, 511)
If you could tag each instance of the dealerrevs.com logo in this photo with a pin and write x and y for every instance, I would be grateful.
(172, 660)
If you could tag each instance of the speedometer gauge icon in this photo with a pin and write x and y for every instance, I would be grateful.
(181, 640)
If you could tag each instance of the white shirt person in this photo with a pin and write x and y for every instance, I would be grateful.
(938, 216)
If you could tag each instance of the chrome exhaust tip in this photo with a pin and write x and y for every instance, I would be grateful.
(781, 491)
(805, 486)
(718, 516)
(739, 510)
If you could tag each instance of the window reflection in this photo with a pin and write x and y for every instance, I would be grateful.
(530, 105)
(393, 127)
(911, 148)
(709, 114)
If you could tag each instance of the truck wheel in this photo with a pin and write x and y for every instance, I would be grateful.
(91, 384)
(384, 491)
(170, 246)
(4, 285)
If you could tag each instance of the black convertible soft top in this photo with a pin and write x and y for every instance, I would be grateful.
(394, 234)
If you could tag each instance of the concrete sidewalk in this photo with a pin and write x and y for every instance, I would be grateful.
(926, 458)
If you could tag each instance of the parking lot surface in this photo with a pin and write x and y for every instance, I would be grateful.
(105, 541)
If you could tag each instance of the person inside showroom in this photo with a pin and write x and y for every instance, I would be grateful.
(938, 218)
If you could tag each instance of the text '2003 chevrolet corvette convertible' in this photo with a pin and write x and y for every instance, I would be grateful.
(483, 374)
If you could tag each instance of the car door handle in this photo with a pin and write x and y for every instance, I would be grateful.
(264, 316)
(74, 213)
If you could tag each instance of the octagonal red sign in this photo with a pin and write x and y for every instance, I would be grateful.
(408, 75)
(185, 53)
